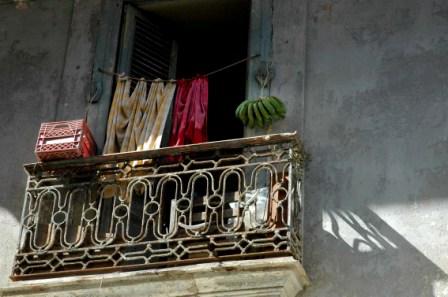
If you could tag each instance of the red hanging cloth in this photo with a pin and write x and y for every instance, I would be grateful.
(189, 120)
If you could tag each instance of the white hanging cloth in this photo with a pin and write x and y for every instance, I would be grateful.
(136, 122)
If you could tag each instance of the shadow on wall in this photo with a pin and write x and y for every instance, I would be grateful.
(355, 253)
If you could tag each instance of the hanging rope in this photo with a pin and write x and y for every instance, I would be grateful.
(174, 80)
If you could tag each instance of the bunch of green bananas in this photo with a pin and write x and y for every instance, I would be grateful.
(261, 112)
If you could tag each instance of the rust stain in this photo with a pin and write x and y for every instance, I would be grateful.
(328, 8)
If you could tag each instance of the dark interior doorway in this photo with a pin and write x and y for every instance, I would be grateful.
(209, 34)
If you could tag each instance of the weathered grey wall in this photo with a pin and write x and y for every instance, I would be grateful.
(365, 84)
(32, 52)
(46, 56)
(375, 120)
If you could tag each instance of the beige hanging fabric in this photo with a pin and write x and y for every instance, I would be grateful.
(118, 117)
(160, 97)
(136, 122)
(137, 103)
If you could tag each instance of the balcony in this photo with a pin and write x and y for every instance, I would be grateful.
(212, 202)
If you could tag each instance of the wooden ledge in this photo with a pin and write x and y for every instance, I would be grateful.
(270, 139)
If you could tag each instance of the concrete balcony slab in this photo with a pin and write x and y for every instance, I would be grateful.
(262, 277)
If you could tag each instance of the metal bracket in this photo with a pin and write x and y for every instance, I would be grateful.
(96, 88)
(264, 75)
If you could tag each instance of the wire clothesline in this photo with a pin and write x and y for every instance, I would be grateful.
(174, 80)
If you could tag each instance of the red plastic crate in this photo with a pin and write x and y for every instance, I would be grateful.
(64, 140)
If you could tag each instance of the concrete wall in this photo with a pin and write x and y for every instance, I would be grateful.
(32, 52)
(374, 110)
(46, 56)
(365, 84)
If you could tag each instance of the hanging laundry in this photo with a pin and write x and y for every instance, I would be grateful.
(137, 102)
(136, 122)
(160, 98)
(118, 116)
(189, 120)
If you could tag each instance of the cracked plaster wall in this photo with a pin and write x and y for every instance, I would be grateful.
(365, 83)
(46, 56)
(369, 98)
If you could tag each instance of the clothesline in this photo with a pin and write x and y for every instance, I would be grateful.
(138, 117)
(174, 80)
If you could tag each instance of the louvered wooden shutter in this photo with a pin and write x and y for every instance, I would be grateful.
(146, 49)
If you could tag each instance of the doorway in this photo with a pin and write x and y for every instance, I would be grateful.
(206, 35)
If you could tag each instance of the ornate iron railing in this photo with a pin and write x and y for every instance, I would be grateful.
(206, 202)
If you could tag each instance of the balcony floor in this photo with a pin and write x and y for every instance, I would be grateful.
(262, 277)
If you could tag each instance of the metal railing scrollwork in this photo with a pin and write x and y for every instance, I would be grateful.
(232, 199)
